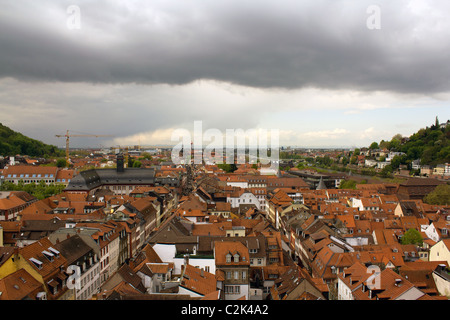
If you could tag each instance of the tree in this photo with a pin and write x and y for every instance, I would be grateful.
(137, 164)
(397, 161)
(384, 144)
(412, 236)
(439, 196)
(373, 146)
(146, 156)
(227, 167)
(348, 184)
(386, 172)
(345, 160)
(61, 163)
(394, 144)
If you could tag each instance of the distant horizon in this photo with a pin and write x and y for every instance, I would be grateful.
(349, 147)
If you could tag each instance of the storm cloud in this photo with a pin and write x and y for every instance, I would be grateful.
(264, 44)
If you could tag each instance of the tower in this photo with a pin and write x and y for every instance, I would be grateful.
(120, 163)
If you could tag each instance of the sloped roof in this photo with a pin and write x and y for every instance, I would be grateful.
(19, 285)
(199, 281)
(222, 248)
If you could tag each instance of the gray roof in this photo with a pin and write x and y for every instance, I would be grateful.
(90, 179)
(321, 185)
(73, 248)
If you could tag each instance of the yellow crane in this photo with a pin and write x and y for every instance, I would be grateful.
(67, 136)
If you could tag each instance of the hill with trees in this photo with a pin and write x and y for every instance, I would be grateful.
(431, 145)
(12, 143)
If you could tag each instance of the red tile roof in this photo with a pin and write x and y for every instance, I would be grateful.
(223, 248)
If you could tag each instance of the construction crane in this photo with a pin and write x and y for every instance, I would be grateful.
(67, 136)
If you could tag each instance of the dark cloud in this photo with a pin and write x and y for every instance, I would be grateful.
(266, 44)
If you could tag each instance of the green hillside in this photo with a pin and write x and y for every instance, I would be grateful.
(12, 143)
(431, 145)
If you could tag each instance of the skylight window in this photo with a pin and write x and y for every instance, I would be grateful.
(36, 262)
(56, 252)
(48, 255)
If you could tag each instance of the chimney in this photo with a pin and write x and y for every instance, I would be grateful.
(441, 267)
(120, 163)
(16, 254)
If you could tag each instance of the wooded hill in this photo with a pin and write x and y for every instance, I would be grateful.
(13, 143)
(431, 145)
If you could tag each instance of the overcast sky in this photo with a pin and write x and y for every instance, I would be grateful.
(323, 72)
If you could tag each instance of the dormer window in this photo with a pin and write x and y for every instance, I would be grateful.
(37, 263)
(444, 231)
(54, 251)
(50, 256)
(228, 258)
(236, 257)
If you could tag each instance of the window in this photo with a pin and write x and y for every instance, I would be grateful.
(50, 256)
(36, 262)
(236, 257)
(228, 258)
(228, 274)
(236, 275)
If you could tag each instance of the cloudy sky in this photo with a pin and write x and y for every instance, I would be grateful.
(324, 73)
